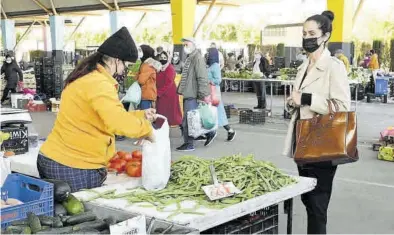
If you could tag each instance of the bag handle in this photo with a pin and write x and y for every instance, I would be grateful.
(159, 116)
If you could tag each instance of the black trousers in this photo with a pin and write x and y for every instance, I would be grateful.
(6, 91)
(316, 201)
(259, 88)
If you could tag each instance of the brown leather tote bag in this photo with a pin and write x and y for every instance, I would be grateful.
(331, 137)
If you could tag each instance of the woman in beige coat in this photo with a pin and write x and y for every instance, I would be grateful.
(319, 78)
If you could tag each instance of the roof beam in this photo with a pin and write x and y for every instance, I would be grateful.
(219, 4)
(42, 6)
(72, 34)
(141, 9)
(107, 5)
(204, 17)
(24, 34)
(53, 7)
(3, 12)
(81, 14)
(116, 5)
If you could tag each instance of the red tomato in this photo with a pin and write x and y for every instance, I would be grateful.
(117, 166)
(134, 169)
(122, 164)
(114, 158)
(121, 154)
(137, 155)
(128, 157)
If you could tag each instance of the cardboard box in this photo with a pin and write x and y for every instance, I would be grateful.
(18, 141)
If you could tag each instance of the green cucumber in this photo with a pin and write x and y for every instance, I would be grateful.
(14, 229)
(73, 206)
(97, 224)
(20, 222)
(46, 220)
(59, 209)
(80, 218)
(34, 222)
(64, 230)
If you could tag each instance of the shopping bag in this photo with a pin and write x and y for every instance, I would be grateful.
(5, 166)
(214, 96)
(156, 163)
(194, 122)
(208, 118)
(133, 94)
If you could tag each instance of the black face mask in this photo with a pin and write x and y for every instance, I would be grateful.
(163, 62)
(310, 45)
(117, 76)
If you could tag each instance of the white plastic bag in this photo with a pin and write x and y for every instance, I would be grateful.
(194, 122)
(5, 166)
(156, 162)
(133, 94)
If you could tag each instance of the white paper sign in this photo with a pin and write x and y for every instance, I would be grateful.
(219, 191)
(136, 225)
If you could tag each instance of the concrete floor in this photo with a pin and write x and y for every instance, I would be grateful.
(363, 193)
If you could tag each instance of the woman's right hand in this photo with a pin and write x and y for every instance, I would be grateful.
(150, 114)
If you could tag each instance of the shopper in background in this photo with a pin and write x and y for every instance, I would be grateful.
(167, 98)
(146, 77)
(320, 78)
(82, 140)
(193, 86)
(221, 57)
(215, 78)
(12, 74)
(374, 63)
(340, 56)
(231, 62)
(240, 62)
(261, 66)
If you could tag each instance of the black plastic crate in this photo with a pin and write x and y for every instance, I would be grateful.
(245, 115)
(227, 108)
(257, 117)
(265, 221)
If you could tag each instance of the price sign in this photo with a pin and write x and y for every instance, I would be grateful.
(136, 225)
(220, 190)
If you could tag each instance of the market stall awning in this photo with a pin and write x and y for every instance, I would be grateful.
(25, 8)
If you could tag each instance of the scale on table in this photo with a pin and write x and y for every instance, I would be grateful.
(14, 116)
(218, 190)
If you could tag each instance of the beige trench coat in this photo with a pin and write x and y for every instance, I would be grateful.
(326, 80)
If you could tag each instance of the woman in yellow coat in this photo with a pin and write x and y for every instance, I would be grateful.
(82, 140)
(374, 63)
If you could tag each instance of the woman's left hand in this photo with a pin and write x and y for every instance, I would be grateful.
(296, 98)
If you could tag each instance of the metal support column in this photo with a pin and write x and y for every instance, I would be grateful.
(8, 35)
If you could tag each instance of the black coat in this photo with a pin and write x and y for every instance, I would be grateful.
(13, 74)
(264, 66)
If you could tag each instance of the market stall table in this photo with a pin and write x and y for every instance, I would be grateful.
(286, 83)
(211, 217)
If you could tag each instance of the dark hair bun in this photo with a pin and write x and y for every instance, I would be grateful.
(329, 15)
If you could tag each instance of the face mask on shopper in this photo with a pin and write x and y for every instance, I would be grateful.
(188, 50)
(310, 45)
(8, 61)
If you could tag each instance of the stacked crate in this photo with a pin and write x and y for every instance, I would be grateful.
(57, 80)
(38, 71)
(47, 76)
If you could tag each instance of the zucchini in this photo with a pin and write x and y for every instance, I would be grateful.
(87, 231)
(110, 221)
(26, 230)
(64, 230)
(106, 231)
(20, 222)
(34, 222)
(14, 229)
(46, 220)
(64, 218)
(97, 224)
(59, 209)
(61, 189)
(83, 217)
(73, 206)
(57, 222)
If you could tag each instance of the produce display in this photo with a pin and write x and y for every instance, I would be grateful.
(253, 177)
(129, 163)
(242, 74)
(360, 74)
(287, 73)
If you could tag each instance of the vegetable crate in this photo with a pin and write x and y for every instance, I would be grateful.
(253, 117)
(265, 221)
(36, 195)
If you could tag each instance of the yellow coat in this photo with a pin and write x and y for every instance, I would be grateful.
(90, 115)
(374, 63)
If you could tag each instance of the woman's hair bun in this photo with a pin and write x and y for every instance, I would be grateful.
(329, 15)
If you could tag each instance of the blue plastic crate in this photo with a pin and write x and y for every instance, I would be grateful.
(381, 86)
(36, 195)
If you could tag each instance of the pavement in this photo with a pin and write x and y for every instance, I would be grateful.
(363, 192)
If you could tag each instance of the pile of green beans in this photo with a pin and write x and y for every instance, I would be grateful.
(254, 178)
